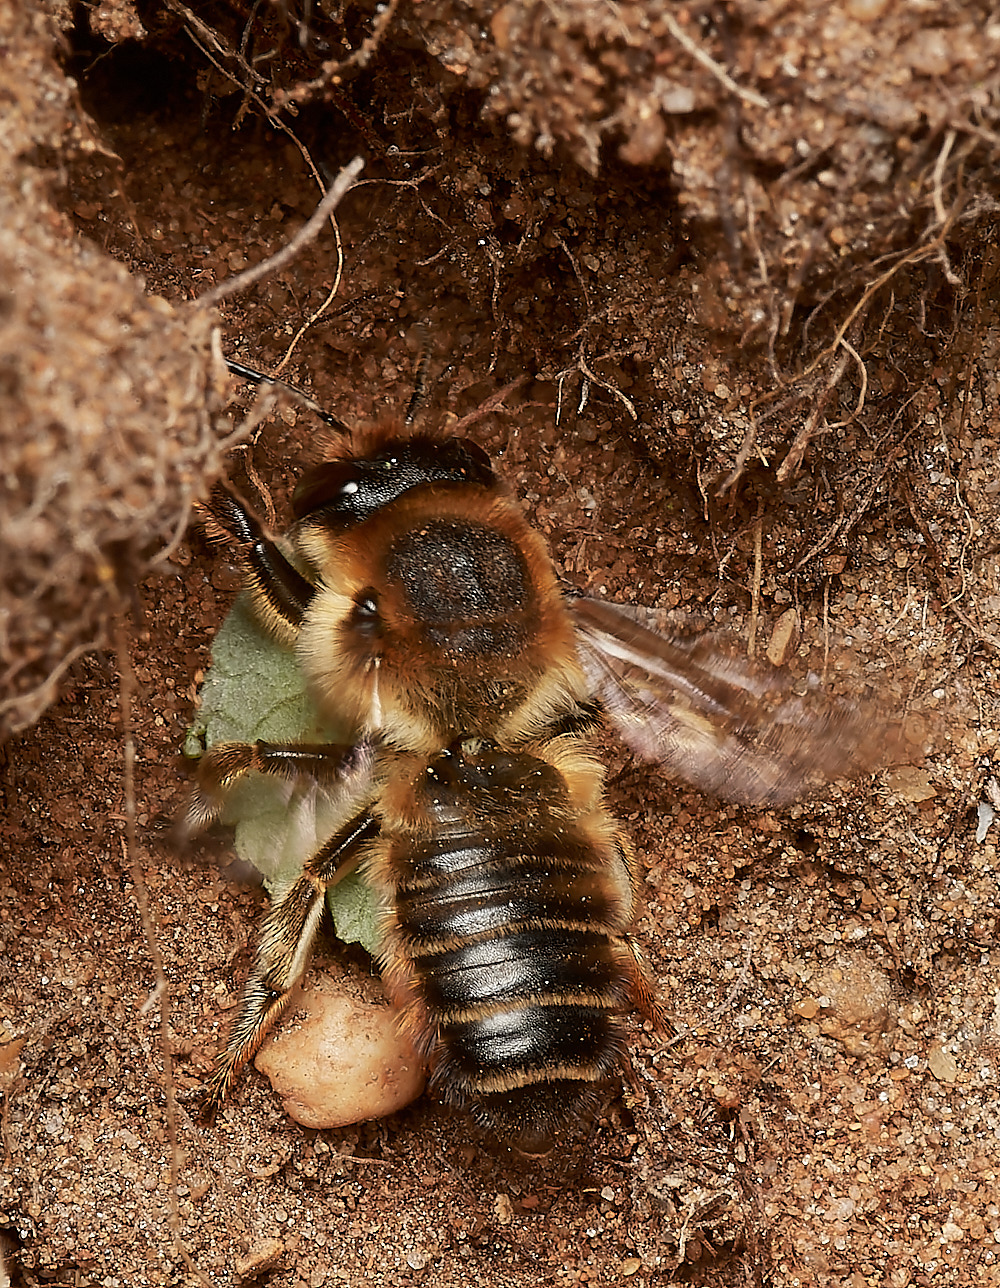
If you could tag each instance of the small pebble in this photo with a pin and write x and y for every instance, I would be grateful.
(342, 1062)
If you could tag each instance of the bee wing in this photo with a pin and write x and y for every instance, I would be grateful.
(730, 727)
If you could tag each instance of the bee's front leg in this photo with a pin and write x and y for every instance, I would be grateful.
(279, 593)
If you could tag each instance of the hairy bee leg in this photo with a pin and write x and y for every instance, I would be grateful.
(279, 592)
(284, 945)
(633, 959)
(227, 763)
(643, 991)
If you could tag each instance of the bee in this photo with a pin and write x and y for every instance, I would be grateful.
(426, 613)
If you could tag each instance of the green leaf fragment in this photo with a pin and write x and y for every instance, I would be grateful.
(254, 690)
(355, 913)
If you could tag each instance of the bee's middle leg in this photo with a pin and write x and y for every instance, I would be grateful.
(227, 764)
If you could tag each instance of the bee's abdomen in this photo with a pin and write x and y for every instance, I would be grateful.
(513, 931)
(500, 893)
(516, 968)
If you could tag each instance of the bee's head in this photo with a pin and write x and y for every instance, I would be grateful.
(384, 463)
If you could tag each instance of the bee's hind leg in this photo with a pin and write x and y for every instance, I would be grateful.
(283, 948)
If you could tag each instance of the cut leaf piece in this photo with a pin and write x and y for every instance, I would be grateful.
(254, 690)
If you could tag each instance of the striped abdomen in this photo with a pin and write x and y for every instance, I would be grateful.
(510, 895)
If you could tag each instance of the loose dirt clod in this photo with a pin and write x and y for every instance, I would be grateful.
(341, 1061)
(109, 403)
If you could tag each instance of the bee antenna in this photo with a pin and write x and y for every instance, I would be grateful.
(420, 382)
(259, 378)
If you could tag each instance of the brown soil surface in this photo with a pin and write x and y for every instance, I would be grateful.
(824, 1107)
